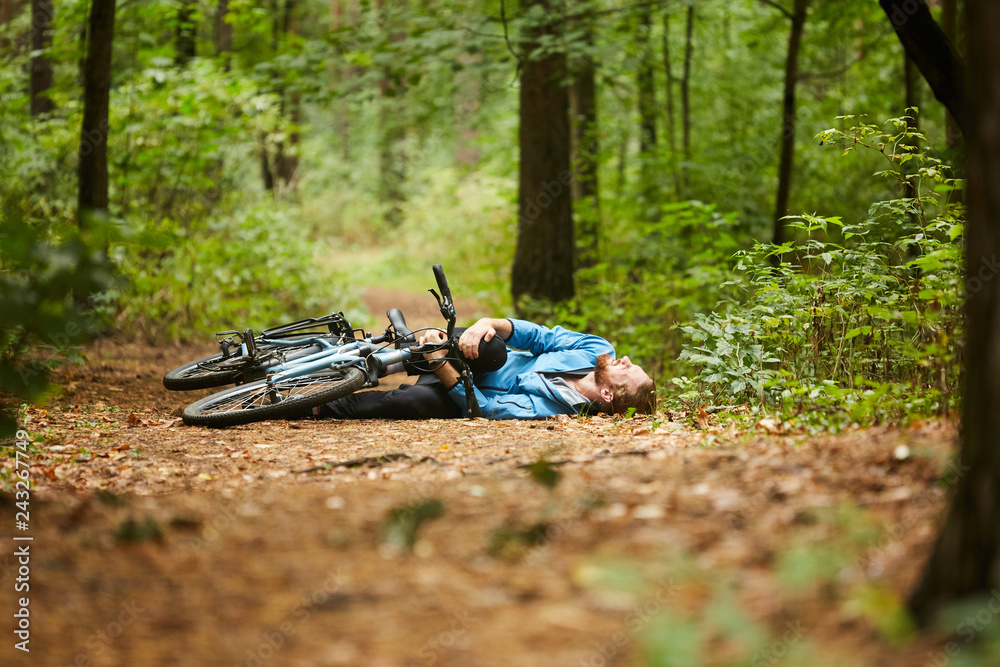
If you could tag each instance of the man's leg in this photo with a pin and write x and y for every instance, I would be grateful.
(427, 399)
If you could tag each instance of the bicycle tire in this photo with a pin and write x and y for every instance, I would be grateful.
(205, 373)
(250, 402)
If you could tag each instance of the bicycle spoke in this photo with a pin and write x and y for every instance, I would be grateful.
(262, 395)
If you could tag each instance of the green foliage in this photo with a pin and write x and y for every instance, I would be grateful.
(545, 474)
(255, 267)
(131, 531)
(402, 524)
(511, 542)
(654, 274)
(51, 280)
(862, 319)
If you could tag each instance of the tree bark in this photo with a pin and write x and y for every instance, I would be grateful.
(966, 557)
(949, 24)
(670, 129)
(543, 257)
(338, 75)
(646, 85)
(586, 145)
(787, 159)
(184, 42)
(92, 193)
(41, 66)
(686, 94)
(8, 10)
(926, 43)
(223, 34)
(910, 88)
(286, 165)
(646, 88)
(392, 131)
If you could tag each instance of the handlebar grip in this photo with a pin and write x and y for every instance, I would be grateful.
(442, 281)
(399, 324)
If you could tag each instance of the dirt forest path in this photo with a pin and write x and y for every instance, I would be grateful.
(436, 542)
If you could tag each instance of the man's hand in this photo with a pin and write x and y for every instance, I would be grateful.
(433, 337)
(483, 330)
(445, 371)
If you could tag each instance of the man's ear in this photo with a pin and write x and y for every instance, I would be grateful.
(606, 395)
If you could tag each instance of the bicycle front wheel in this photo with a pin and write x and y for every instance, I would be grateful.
(287, 399)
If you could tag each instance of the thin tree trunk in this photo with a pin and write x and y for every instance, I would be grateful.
(966, 558)
(184, 42)
(686, 94)
(787, 159)
(6, 14)
(286, 164)
(586, 144)
(9, 42)
(392, 165)
(223, 34)
(646, 88)
(543, 257)
(646, 84)
(92, 195)
(949, 24)
(266, 175)
(339, 74)
(910, 87)
(41, 66)
(671, 121)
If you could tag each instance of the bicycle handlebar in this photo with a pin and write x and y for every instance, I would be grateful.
(442, 282)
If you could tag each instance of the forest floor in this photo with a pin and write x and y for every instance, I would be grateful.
(667, 541)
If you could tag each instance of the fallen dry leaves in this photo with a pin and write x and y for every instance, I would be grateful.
(264, 539)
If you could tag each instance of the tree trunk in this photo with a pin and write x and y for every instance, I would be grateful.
(184, 42)
(41, 66)
(671, 124)
(966, 557)
(787, 158)
(586, 146)
(949, 24)
(392, 131)
(223, 34)
(646, 88)
(646, 85)
(286, 165)
(686, 94)
(910, 88)
(93, 165)
(266, 175)
(8, 41)
(925, 42)
(338, 75)
(543, 257)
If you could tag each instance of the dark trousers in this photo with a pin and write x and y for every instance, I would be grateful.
(427, 399)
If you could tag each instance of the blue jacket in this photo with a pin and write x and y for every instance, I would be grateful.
(517, 391)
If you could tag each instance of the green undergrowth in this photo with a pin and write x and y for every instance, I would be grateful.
(851, 321)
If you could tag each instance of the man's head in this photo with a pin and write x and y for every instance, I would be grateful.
(623, 385)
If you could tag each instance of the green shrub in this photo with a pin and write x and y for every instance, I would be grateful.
(861, 318)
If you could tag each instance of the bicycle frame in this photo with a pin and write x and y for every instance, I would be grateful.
(356, 353)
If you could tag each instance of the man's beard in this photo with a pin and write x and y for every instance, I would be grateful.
(601, 374)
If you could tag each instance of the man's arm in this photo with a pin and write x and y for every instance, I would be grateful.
(483, 330)
(538, 339)
(445, 371)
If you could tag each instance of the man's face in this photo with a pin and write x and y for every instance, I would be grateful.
(619, 372)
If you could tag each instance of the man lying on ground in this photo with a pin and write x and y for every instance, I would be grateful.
(521, 370)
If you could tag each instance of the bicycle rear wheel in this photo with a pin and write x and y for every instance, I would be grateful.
(216, 370)
(286, 399)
